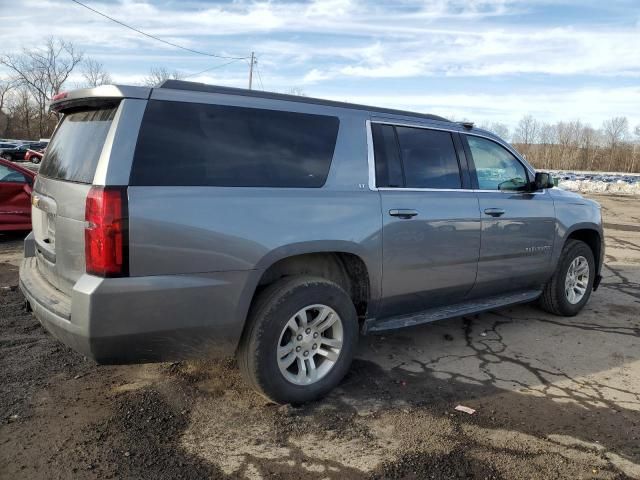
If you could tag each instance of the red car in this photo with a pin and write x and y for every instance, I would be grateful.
(34, 156)
(15, 196)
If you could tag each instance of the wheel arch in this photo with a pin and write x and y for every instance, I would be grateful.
(592, 236)
(344, 263)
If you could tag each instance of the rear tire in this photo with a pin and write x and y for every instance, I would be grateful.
(569, 289)
(288, 320)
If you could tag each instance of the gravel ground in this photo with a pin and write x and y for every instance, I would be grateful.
(554, 398)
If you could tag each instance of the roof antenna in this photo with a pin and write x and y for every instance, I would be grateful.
(467, 125)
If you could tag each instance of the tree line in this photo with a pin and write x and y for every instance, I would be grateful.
(574, 145)
(34, 75)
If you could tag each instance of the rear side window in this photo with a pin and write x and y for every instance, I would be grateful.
(429, 158)
(214, 145)
(75, 149)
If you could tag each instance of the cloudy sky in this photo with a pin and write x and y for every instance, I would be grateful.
(484, 60)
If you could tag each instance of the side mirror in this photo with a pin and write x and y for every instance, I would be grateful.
(543, 180)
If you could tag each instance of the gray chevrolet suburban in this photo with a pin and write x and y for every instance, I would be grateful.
(191, 219)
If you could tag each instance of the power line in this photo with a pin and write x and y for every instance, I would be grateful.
(259, 76)
(153, 36)
(211, 68)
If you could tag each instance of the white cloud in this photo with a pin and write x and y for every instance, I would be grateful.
(314, 75)
(344, 43)
(592, 105)
(498, 52)
(361, 39)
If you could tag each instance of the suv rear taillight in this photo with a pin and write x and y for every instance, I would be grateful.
(106, 234)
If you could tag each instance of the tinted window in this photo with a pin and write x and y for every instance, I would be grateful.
(195, 144)
(8, 175)
(496, 168)
(387, 156)
(429, 158)
(76, 146)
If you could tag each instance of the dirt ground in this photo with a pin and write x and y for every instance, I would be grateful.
(554, 398)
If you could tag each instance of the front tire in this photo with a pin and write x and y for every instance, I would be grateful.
(300, 339)
(569, 289)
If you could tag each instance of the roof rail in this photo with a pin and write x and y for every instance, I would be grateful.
(203, 87)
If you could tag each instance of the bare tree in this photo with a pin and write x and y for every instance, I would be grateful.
(527, 130)
(6, 85)
(22, 112)
(615, 131)
(546, 139)
(589, 144)
(94, 73)
(567, 139)
(500, 129)
(157, 75)
(43, 71)
(526, 134)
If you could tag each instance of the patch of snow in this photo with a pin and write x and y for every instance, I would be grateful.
(598, 182)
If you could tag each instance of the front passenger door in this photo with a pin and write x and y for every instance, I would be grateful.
(517, 225)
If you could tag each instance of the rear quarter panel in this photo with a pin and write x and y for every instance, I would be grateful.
(182, 230)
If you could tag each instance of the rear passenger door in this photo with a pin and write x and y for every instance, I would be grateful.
(431, 220)
(517, 225)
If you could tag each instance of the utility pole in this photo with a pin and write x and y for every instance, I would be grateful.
(253, 61)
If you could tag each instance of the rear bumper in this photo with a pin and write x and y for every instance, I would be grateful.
(142, 319)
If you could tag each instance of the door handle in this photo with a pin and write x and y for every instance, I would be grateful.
(494, 212)
(405, 213)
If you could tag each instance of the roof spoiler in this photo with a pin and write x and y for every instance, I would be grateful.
(95, 96)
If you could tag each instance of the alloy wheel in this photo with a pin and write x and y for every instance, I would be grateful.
(577, 280)
(310, 344)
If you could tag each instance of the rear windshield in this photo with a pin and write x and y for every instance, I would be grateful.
(214, 145)
(74, 151)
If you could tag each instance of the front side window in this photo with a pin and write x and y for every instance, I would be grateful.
(429, 158)
(496, 168)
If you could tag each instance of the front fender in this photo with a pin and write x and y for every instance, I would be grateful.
(574, 216)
